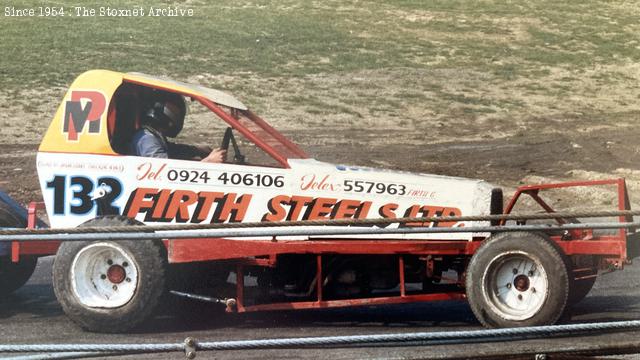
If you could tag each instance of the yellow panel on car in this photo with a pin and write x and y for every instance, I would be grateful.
(80, 123)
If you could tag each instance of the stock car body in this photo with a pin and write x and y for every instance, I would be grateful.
(88, 178)
(86, 148)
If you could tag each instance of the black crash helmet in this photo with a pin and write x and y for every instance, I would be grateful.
(167, 114)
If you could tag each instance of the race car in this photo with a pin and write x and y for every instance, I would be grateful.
(88, 177)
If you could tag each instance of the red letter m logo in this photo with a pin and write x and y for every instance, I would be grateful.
(76, 115)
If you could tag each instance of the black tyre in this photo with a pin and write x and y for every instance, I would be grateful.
(110, 286)
(13, 275)
(583, 277)
(517, 279)
(580, 289)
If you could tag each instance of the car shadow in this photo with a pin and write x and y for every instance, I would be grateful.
(38, 301)
(418, 315)
(605, 308)
(182, 315)
(450, 314)
(35, 300)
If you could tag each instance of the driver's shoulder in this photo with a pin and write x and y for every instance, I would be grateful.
(145, 133)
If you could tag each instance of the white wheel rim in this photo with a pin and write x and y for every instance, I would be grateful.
(515, 285)
(104, 276)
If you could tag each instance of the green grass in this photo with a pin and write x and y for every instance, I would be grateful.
(290, 38)
(305, 54)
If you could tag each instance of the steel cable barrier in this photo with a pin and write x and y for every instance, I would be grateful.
(190, 346)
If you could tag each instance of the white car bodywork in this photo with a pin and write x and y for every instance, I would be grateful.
(165, 191)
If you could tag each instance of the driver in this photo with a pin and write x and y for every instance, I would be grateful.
(164, 118)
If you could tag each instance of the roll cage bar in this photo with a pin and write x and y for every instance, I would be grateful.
(250, 125)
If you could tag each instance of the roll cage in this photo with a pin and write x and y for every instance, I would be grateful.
(129, 99)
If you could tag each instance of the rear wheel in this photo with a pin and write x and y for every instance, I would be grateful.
(580, 289)
(13, 275)
(517, 279)
(583, 277)
(109, 286)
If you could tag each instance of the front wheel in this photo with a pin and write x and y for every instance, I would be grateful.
(517, 279)
(109, 286)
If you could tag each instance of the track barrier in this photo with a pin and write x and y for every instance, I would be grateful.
(190, 346)
(317, 228)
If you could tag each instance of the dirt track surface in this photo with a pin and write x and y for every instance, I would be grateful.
(32, 315)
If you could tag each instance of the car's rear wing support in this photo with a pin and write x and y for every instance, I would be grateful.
(617, 242)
